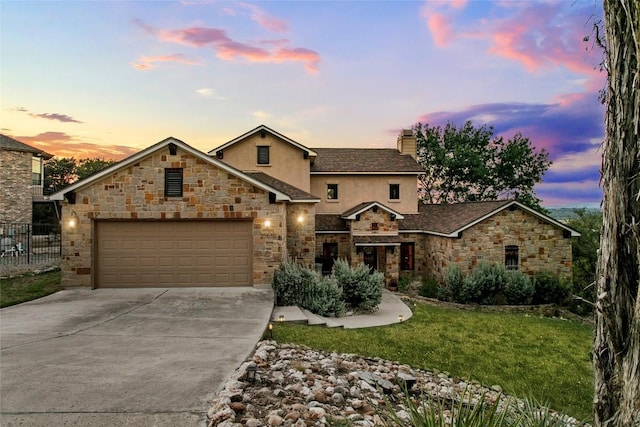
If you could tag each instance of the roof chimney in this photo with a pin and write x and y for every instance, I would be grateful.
(407, 143)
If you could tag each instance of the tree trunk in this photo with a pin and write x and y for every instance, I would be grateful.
(616, 355)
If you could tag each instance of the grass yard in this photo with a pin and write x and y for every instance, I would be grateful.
(542, 358)
(27, 287)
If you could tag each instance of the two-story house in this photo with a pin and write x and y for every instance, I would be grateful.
(22, 178)
(172, 215)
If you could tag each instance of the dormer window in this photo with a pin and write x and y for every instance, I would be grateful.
(263, 154)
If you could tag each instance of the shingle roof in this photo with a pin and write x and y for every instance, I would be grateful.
(294, 193)
(330, 222)
(260, 129)
(367, 160)
(448, 218)
(10, 144)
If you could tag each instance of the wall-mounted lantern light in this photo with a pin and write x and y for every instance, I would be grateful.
(267, 223)
(72, 222)
(300, 219)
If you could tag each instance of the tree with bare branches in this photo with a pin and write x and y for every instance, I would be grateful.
(617, 344)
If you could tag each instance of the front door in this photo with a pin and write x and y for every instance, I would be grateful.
(329, 255)
(371, 257)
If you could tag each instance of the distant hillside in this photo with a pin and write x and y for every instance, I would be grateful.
(566, 214)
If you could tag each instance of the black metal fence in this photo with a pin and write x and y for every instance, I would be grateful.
(29, 244)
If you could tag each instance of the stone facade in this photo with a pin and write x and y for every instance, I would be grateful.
(301, 233)
(16, 199)
(541, 246)
(137, 193)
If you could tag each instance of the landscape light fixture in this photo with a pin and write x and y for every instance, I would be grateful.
(400, 318)
(251, 373)
(281, 318)
(270, 328)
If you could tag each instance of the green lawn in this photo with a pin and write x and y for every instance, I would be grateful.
(543, 358)
(27, 287)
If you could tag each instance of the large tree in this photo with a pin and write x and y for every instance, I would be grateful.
(616, 355)
(470, 163)
(61, 172)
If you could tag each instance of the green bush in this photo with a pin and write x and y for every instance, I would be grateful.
(361, 288)
(484, 284)
(430, 289)
(549, 288)
(291, 283)
(453, 284)
(326, 298)
(518, 288)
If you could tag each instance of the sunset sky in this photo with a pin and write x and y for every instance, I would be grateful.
(108, 78)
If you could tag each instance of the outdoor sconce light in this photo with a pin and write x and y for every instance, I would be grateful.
(251, 373)
(300, 219)
(73, 220)
(267, 223)
(281, 318)
(400, 318)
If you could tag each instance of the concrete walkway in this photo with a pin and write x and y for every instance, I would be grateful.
(392, 310)
(134, 357)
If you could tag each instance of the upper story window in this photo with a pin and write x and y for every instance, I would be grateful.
(263, 154)
(511, 257)
(173, 182)
(394, 191)
(332, 191)
(36, 170)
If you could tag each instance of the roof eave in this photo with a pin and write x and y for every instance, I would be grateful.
(260, 128)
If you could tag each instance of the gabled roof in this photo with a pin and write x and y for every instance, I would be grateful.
(280, 195)
(364, 160)
(365, 206)
(10, 144)
(263, 128)
(296, 194)
(450, 220)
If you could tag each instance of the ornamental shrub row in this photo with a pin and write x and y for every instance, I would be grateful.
(356, 288)
(490, 284)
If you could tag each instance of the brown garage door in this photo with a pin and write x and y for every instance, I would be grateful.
(173, 253)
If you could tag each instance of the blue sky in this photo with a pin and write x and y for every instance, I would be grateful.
(108, 78)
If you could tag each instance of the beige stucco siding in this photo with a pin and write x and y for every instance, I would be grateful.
(287, 162)
(355, 189)
(542, 246)
(137, 193)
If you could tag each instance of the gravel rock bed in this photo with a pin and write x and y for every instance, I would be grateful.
(300, 387)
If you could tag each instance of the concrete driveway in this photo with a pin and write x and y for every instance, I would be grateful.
(135, 357)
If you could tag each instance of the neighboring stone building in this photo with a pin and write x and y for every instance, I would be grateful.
(22, 178)
(172, 215)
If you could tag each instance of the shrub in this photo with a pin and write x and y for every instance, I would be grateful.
(326, 298)
(291, 283)
(518, 288)
(430, 289)
(453, 284)
(361, 288)
(404, 283)
(549, 288)
(484, 283)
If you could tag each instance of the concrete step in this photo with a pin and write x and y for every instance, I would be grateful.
(314, 319)
(289, 314)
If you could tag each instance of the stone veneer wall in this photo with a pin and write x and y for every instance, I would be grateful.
(342, 239)
(16, 198)
(542, 246)
(137, 193)
(368, 217)
(301, 233)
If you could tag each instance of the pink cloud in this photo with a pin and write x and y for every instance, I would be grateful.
(440, 27)
(56, 116)
(265, 20)
(274, 51)
(61, 144)
(145, 62)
